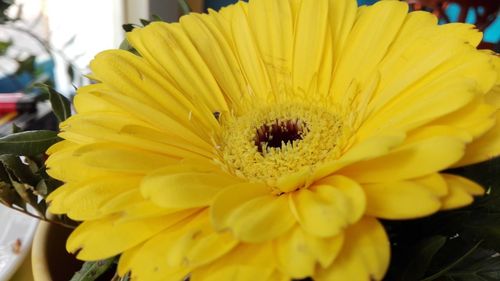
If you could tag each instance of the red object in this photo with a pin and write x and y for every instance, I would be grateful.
(489, 10)
(17, 102)
(7, 107)
(438, 7)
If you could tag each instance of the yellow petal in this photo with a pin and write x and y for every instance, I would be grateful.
(233, 197)
(248, 55)
(325, 249)
(181, 186)
(329, 206)
(85, 200)
(310, 45)
(410, 161)
(152, 269)
(424, 52)
(485, 147)
(191, 243)
(341, 16)
(209, 247)
(493, 96)
(125, 260)
(461, 193)
(435, 183)
(323, 216)
(64, 165)
(176, 146)
(294, 256)
(299, 253)
(353, 195)
(181, 62)
(124, 129)
(423, 133)
(216, 51)
(261, 219)
(235, 273)
(104, 238)
(422, 106)
(476, 118)
(195, 136)
(364, 256)
(467, 32)
(114, 157)
(61, 146)
(56, 198)
(243, 263)
(130, 75)
(85, 102)
(364, 150)
(131, 206)
(400, 200)
(291, 182)
(275, 41)
(367, 43)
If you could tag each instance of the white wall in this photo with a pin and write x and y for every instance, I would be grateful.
(95, 24)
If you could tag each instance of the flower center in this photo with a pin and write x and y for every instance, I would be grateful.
(271, 142)
(279, 133)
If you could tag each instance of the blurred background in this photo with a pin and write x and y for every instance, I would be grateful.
(52, 41)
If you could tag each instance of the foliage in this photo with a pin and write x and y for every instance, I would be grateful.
(457, 245)
(28, 65)
(24, 183)
(93, 269)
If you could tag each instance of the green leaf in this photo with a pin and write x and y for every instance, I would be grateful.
(453, 264)
(60, 104)
(26, 65)
(483, 265)
(128, 27)
(126, 277)
(185, 9)
(420, 261)
(50, 184)
(20, 178)
(16, 129)
(41, 188)
(156, 18)
(69, 42)
(4, 176)
(4, 45)
(92, 270)
(144, 22)
(28, 143)
(25, 192)
(125, 45)
(9, 197)
(71, 72)
(17, 170)
(463, 227)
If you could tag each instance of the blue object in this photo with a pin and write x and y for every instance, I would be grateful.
(366, 2)
(217, 4)
(16, 83)
(491, 34)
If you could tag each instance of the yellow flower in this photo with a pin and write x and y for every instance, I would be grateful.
(263, 142)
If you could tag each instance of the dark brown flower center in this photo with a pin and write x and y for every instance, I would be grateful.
(278, 133)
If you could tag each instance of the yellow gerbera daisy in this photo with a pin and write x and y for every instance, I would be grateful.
(263, 142)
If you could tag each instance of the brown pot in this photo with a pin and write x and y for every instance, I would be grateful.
(50, 261)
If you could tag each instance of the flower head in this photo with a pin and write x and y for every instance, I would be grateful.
(267, 139)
